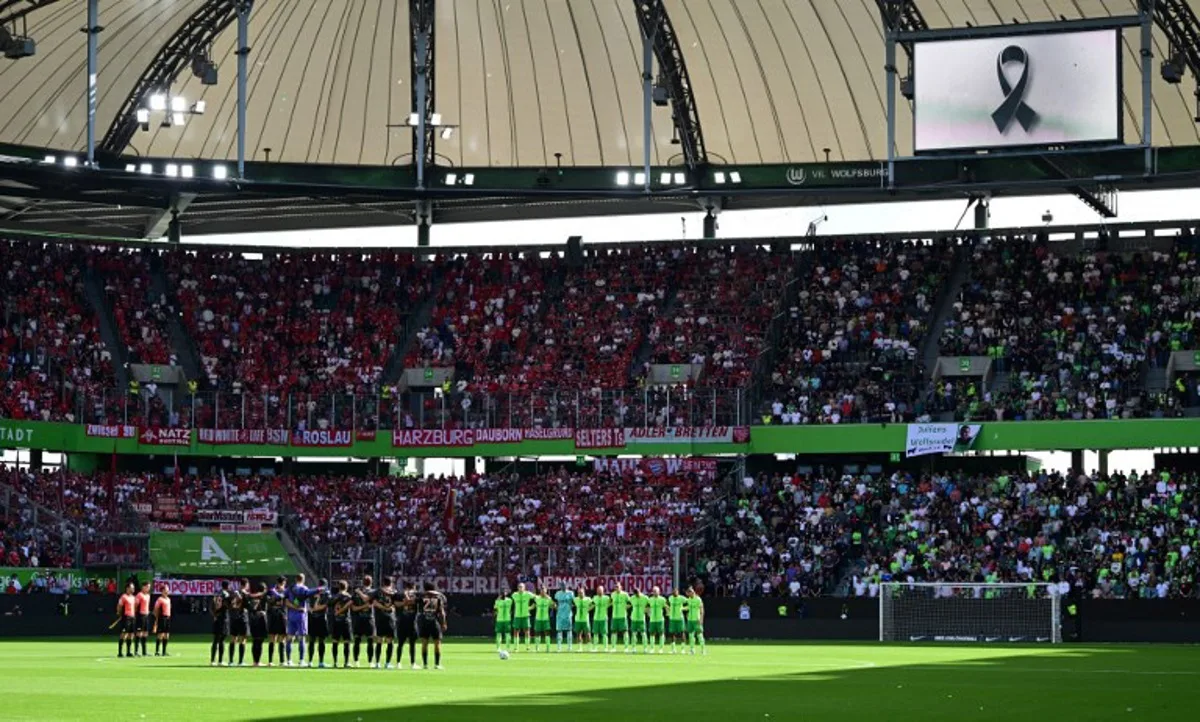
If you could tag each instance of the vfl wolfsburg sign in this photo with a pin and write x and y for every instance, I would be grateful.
(216, 553)
(840, 174)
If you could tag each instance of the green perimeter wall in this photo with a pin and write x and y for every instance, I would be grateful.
(849, 438)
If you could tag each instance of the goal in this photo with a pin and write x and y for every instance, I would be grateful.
(948, 612)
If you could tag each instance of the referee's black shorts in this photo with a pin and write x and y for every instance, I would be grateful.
(128, 625)
(164, 625)
(141, 624)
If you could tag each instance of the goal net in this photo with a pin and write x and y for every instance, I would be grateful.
(946, 612)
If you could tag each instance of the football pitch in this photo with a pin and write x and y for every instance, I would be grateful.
(82, 679)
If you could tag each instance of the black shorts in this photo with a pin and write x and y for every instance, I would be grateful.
(364, 626)
(164, 625)
(318, 625)
(341, 629)
(220, 627)
(128, 625)
(258, 625)
(140, 623)
(276, 624)
(385, 626)
(239, 625)
(406, 628)
(428, 628)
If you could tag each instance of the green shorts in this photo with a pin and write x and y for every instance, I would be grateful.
(656, 627)
(581, 627)
(619, 624)
(675, 626)
(637, 625)
(600, 627)
(503, 627)
(541, 626)
(520, 623)
(695, 627)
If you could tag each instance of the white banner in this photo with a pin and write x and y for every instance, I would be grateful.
(1017, 90)
(188, 587)
(925, 439)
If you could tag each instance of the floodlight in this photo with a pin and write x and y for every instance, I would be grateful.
(158, 101)
(220, 172)
(665, 178)
(199, 107)
(469, 179)
(172, 170)
(50, 159)
(719, 177)
(178, 104)
(187, 171)
(143, 115)
(446, 133)
(70, 161)
(414, 119)
(145, 169)
(735, 177)
(130, 168)
(680, 179)
(623, 178)
(435, 119)
(639, 179)
(451, 178)
(176, 118)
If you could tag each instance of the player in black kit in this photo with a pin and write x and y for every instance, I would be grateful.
(364, 618)
(220, 619)
(406, 625)
(431, 624)
(341, 620)
(318, 623)
(239, 621)
(276, 620)
(257, 608)
(385, 621)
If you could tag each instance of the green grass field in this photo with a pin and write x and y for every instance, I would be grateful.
(81, 679)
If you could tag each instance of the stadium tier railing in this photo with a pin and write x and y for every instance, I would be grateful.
(389, 409)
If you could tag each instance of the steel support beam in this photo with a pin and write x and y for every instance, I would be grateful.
(1104, 202)
(196, 33)
(159, 221)
(243, 56)
(1041, 28)
(1178, 22)
(902, 16)
(1147, 57)
(655, 23)
(17, 9)
(93, 38)
(422, 24)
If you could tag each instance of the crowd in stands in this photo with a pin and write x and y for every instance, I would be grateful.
(849, 351)
(51, 355)
(140, 317)
(1071, 332)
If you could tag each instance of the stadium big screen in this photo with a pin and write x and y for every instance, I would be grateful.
(1017, 91)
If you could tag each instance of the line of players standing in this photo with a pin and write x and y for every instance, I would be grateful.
(284, 616)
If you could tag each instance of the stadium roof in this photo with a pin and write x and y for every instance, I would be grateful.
(525, 85)
(774, 80)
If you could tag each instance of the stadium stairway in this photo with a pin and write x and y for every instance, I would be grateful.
(181, 342)
(301, 555)
(93, 290)
(413, 323)
(16, 505)
(944, 307)
(765, 364)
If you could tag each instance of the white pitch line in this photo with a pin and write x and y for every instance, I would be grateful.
(1039, 670)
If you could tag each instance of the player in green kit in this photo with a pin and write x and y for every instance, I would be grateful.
(695, 623)
(522, 602)
(504, 610)
(583, 607)
(620, 616)
(637, 624)
(675, 621)
(658, 605)
(603, 603)
(542, 604)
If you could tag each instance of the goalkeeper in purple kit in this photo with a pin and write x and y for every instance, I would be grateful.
(296, 603)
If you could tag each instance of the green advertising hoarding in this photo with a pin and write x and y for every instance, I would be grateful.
(219, 553)
(772, 439)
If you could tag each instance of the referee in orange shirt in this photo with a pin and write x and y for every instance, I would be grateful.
(142, 619)
(162, 621)
(126, 607)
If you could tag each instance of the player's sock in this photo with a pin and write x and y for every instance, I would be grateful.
(232, 646)
(270, 653)
(305, 650)
(559, 636)
(357, 648)
(346, 653)
(412, 652)
(335, 649)
(143, 646)
(281, 658)
(570, 640)
(437, 655)
(241, 653)
(499, 640)
(370, 653)
(703, 644)
(391, 647)
(256, 651)
(221, 652)
(128, 647)
(165, 646)
(321, 651)
(120, 647)
(288, 650)
(425, 656)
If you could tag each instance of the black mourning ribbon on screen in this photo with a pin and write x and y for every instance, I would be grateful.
(1014, 105)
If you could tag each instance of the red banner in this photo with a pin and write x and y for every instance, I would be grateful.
(433, 437)
(325, 438)
(559, 434)
(221, 437)
(112, 431)
(599, 438)
(365, 435)
(156, 436)
(654, 466)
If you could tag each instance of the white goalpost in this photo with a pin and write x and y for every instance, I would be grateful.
(953, 612)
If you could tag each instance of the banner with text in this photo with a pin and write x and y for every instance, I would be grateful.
(188, 587)
(629, 582)
(223, 437)
(156, 436)
(655, 466)
(15, 433)
(111, 431)
(923, 439)
(471, 437)
(324, 438)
